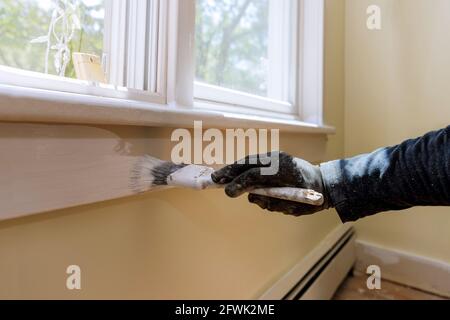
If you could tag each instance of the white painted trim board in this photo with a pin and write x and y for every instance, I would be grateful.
(405, 268)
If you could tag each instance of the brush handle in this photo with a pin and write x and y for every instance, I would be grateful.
(292, 194)
(199, 178)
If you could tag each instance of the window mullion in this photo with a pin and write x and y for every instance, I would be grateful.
(282, 37)
(115, 41)
(275, 82)
(137, 42)
(312, 46)
(153, 42)
(181, 62)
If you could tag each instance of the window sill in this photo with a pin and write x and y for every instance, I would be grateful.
(37, 105)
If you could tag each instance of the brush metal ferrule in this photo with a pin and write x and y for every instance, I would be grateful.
(192, 176)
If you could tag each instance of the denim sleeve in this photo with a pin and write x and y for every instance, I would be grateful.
(413, 173)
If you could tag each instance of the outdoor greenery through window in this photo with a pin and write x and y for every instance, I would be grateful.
(39, 33)
(238, 45)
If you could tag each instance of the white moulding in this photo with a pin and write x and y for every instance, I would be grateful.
(37, 105)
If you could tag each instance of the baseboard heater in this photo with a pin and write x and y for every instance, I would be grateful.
(321, 272)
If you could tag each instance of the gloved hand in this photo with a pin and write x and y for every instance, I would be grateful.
(243, 176)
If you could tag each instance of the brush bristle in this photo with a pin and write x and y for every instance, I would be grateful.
(150, 173)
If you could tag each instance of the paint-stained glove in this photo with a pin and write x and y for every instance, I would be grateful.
(243, 176)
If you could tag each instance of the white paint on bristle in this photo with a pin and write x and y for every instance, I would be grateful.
(141, 174)
(192, 177)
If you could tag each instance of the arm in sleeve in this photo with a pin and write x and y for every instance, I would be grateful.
(413, 173)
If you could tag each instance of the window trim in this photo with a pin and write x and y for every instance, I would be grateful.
(35, 80)
(211, 93)
(312, 61)
(25, 104)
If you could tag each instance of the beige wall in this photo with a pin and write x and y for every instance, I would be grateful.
(173, 244)
(397, 87)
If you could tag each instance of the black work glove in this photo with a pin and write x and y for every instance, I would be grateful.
(246, 175)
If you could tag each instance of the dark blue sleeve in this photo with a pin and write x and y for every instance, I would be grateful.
(413, 173)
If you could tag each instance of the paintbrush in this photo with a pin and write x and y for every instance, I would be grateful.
(150, 173)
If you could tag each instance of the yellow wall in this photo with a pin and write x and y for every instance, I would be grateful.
(397, 87)
(174, 244)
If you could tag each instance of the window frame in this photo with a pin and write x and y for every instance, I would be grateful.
(307, 91)
(207, 93)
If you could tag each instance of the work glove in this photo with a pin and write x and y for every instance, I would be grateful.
(247, 174)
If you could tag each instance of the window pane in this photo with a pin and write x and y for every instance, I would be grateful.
(24, 29)
(238, 45)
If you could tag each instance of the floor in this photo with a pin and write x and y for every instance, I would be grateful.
(354, 288)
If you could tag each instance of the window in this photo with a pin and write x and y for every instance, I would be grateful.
(36, 34)
(104, 47)
(246, 52)
(249, 60)
(273, 64)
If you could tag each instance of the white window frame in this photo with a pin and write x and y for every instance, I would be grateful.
(279, 83)
(304, 87)
(169, 100)
(136, 58)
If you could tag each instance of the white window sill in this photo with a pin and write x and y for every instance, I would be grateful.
(37, 105)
